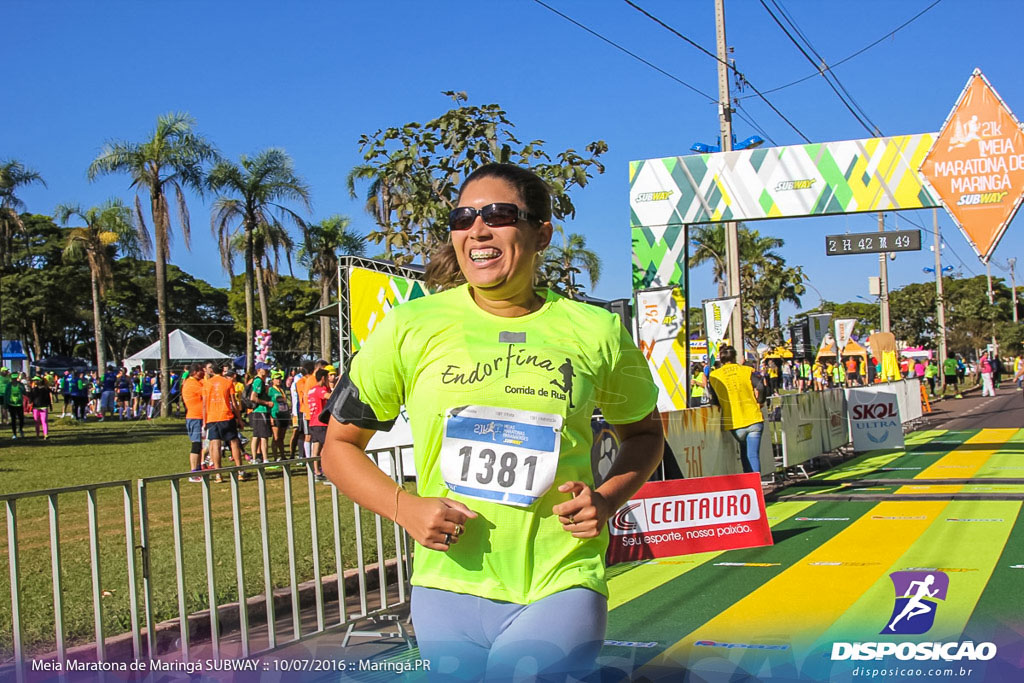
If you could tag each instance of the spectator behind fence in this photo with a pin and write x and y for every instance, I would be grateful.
(737, 389)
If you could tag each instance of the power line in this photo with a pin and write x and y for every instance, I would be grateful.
(834, 83)
(824, 66)
(858, 52)
(943, 240)
(731, 67)
(631, 54)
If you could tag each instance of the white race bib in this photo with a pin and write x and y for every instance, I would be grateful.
(500, 455)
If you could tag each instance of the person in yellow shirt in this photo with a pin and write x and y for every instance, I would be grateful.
(737, 390)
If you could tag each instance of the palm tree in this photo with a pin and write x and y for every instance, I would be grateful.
(319, 254)
(564, 262)
(171, 158)
(709, 247)
(106, 226)
(251, 194)
(268, 241)
(13, 176)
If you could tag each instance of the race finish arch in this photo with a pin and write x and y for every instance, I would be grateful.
(974, 168)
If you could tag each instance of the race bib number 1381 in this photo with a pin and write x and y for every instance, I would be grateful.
(500, 454)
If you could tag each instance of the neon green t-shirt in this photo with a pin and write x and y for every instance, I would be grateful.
(442, 352)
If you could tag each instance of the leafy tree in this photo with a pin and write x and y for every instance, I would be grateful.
(170, 159)
(107, 227)
(252, 195)
(563, 263)
(766, 282)
(413, 172)
(42, 298)
(196, 307)
(766, 287)
(321, 244)
(14, 175)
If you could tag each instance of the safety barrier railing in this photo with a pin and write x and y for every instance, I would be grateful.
(263, 607)
(53, 503)
(198, 563)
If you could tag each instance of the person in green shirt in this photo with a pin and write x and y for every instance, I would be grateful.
(260, 398)
(499, 380)
(5, 381)
(14, 399)
(949, 371)
(930, 373)
(280, 413)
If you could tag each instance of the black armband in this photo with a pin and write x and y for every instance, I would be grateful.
(345, 407)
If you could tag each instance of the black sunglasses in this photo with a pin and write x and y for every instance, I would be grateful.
(495, 215)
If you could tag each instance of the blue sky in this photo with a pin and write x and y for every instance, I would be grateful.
(311, 77)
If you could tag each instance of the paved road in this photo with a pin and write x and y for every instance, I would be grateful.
(1004, 410)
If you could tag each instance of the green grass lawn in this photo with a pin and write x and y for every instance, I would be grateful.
(98, 452)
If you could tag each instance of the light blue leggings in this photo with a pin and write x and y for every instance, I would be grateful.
(749, 439)
(469, 638)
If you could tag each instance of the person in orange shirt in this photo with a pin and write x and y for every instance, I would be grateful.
(220, 418)
(192, 395)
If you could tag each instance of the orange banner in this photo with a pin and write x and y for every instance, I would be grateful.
(976, 165)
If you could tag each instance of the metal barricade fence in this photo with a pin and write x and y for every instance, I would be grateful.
(60, 590)
(197, 565)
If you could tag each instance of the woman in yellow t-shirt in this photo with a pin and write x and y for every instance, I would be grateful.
(499, 380)
(736, 388)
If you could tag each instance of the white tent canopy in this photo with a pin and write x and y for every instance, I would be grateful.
(180, 346)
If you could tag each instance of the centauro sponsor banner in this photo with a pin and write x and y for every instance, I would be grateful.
(874, 420)
(848, 176)
(686, 516)
(977, 165)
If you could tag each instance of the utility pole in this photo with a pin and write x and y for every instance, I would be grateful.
(1013, 286)
(940, 305)
(991, 302)
(732, 248)
(883, 280)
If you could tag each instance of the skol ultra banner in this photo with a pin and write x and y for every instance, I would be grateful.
(977, 165)
(371, 295)
(850, 176)
(686, 516)
(661, 336)
(874, 420)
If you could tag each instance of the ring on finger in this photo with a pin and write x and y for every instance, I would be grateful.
(458, 529)
(571, 520)
(447, 539)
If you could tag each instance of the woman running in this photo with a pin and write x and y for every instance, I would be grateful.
(500, 380)
(39, 395)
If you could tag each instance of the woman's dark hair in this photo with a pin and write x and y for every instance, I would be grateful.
(442, 270)
(727, 354)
